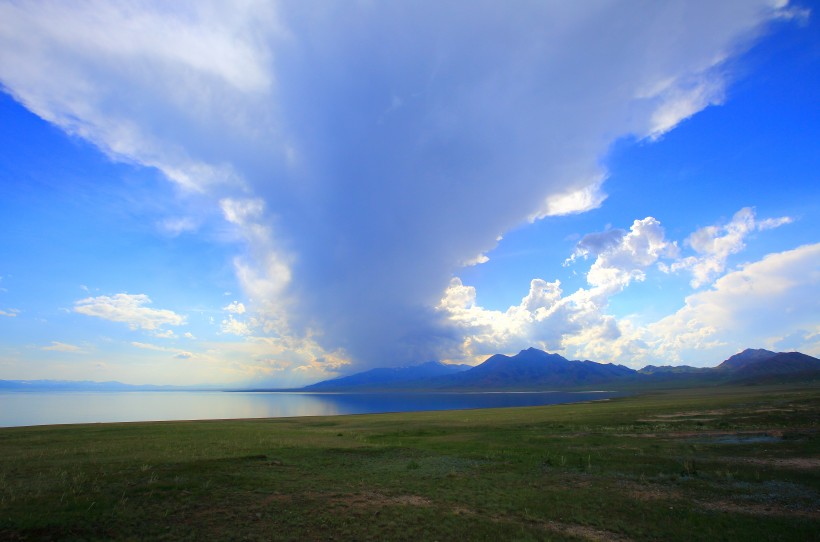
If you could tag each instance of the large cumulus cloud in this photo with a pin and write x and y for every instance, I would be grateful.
(711, 323)
(366, 150)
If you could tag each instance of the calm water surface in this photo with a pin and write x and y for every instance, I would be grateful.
(46, 408)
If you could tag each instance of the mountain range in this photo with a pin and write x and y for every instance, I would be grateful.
(534, 369)
(530, 369)
(89, 385)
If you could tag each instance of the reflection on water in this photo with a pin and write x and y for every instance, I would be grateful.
(40, 408)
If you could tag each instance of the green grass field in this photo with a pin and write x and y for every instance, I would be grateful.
(703, 464)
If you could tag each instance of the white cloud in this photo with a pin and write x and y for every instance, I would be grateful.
(285, 360)
(11, 313)
(177, 353)
(57, 346)
(478, 260)
(714, 245)
(795, 13)
(580, 200)
(196, 38)
(620, 263)
(179, 225)
(681, 100)
(715, 323)
(264, 273)
(593, 244)
(243, 212)
(149, 346)
(91, 68)
(547, 318)
(264, 279)
(785, 285)
(232, 326)
(129, 309)
(235, 308)
(771, 223)
(712, 325)
(254, 361)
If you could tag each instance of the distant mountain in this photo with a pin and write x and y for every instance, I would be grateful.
(747, 367)
(529, 369)
(673, 369)
(751, 364)
(87, 385)
(534, 369)
(749, 356)
(389, 377)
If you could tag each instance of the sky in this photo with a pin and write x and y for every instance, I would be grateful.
(275, 193)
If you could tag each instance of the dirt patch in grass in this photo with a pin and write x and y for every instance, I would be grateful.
(760, 509)
(774, 433)
(699, 413)
(377, 499)
(796, 463)
(647, 491)
(738, 438)
(368, 499)
(675, 420)
(462, 511)
(583, 532)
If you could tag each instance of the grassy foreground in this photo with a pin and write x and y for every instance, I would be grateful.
(712, 464)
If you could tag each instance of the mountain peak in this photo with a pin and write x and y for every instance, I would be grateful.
(535, 353)
(748, 356)
(770, 364)
(756, 352)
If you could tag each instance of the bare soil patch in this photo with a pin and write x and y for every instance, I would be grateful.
(690, 414)
(584, 532)
(648, 491)
(796, 463)
(353, 500)
(759, 509)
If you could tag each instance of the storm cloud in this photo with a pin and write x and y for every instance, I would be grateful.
(364, 151)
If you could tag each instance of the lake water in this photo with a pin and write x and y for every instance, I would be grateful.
(46, 408)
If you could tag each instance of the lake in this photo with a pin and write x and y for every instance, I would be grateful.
(46, 408)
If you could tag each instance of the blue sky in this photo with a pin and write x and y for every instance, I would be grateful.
(280, 193)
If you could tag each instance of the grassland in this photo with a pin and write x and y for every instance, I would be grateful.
(706, 464)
